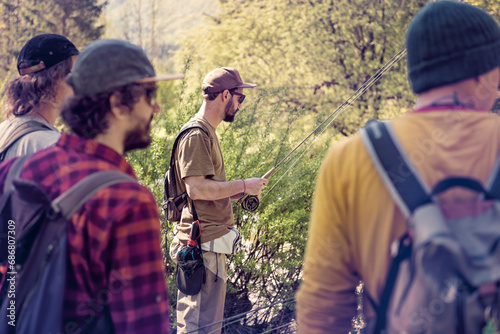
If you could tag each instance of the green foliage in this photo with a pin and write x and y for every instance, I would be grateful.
(321, 51)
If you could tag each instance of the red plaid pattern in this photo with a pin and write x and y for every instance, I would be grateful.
(115, 256)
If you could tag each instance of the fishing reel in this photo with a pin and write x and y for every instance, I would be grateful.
(251, 202)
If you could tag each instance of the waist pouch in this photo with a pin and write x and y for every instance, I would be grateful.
(190, 272)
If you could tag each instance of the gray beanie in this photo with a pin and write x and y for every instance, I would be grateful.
(448, 42)
(107, 64)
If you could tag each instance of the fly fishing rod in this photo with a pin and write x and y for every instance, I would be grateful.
(251, 202)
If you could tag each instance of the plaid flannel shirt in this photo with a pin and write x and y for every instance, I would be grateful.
(115, 257)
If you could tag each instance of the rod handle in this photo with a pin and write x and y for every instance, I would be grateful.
(269, 173)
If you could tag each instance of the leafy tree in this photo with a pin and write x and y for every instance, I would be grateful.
(322, 51)
(23, 19)
(491, 6)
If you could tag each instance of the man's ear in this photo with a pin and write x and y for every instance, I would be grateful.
(118, 110)
(225, 95)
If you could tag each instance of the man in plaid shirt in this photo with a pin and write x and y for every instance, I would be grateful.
(114, 253)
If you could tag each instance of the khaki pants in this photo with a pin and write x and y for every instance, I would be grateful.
(207, 306)
(202, 309)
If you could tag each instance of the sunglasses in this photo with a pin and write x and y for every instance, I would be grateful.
(150, 93)
(241, 96)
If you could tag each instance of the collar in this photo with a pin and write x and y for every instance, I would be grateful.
(204, 120)
(97, 150)
(27, 118)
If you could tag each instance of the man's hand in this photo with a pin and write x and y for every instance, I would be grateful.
(255, 185)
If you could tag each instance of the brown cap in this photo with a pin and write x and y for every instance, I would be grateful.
(223, 78)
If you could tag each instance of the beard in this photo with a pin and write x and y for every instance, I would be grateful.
(228, 113)
(138, 138)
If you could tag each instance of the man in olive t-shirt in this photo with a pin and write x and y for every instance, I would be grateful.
(201, 172)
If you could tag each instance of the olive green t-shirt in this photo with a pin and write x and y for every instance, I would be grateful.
(200, 155)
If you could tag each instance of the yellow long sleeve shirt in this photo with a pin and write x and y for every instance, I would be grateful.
(355, 220)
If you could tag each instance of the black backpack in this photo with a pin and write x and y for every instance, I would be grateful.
(18, 133)
(33, 243)
(172, 202)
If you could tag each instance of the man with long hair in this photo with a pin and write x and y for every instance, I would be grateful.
(33, 100)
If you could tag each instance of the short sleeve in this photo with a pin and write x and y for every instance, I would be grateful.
(194, 155)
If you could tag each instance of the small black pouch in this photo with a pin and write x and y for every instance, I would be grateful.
(190, 272)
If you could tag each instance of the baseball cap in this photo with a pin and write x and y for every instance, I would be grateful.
(223, 78)
(44, 51)
(106, 64)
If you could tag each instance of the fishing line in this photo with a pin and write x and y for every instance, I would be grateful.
(339, 112)
(250, 202)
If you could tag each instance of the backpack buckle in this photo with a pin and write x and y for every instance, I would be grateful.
(52, 212)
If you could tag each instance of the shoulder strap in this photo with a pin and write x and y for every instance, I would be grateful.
(179, 136)
(71, 200)
(493, 182)
(398, 174)
(14, 172)
(185, 129)
(406, 188)
(404, 251)
(18, 133)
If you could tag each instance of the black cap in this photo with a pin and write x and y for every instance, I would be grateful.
(44, 51)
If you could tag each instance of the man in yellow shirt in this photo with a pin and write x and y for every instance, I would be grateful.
(454, 68)
(33, 101)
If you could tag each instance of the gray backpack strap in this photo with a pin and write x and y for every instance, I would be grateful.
(14, 172)
(18, 133)
(493, 183)
(407, 189)
(397, 172)
(71, 200)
